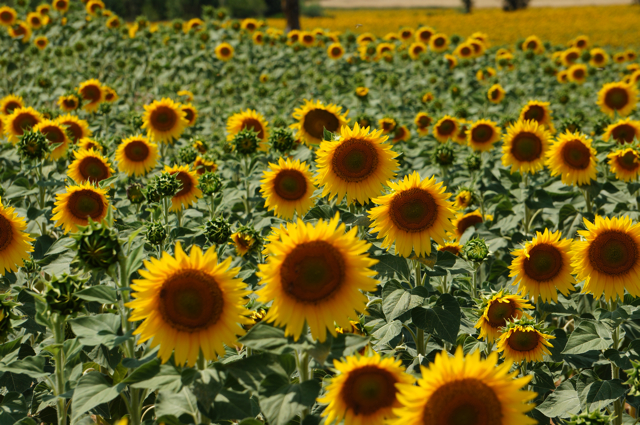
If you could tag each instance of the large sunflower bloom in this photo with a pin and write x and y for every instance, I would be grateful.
(497, 311)
(251, 120)
(364, 391)
(18, 121)
(573, 158)
(316, 275)
(466, 390)
(446, 128)
(538, 111)
(55, 133)
(524, 343)
(136, 155)
(524, 146)
(543, 267)
(357, 165)
(8, 16)
(14, 241)
(625, 164)
(415, 212)
(620, 98)
(78, 204)
(608, 257)
(482, 135)
(287, 188)
(314, 117)
(623, 131)
(92, 94)
(189, 303)
(190, 192)
(164, 120)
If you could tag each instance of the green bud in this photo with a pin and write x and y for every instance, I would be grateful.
(167, 184)
(475, 250)
(474, 162)
(135, 194)
(187, 155)
(210, 183)
(246, 142)
(135, 120)
(97, 246)
(33, 146)
(156, 233)
(61, 297)
(282, 140)
(217, 231)
(444, 154)
(593, 418)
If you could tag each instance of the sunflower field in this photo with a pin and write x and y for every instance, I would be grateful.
(217, 222)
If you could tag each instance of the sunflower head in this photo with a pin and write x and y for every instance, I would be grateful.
(573, 158)
(61, 294)
(217, 231)
(314, 117)
(15, 243)
(623, 131)
(78, 204)
(164, 120)
(20, 120)
(462, 222)
(625, 164)
(453, 247)
(8, 16)
(524, 146)
(77, 129)
(136, 155)
(10, 103)
(522, 340)
(55, 133)
(92, 94)
(249, 120)
(617, 98)
(288, 189)
(537, 111)
(483, 134)
(224, 51)
(69, 102)
(188, 192)
(90, 166)
(497, 311)
(33, 146)
(446, 128)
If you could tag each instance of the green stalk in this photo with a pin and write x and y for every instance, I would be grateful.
(615, 370)
(420, 345)
(302, 364)
(58, 334)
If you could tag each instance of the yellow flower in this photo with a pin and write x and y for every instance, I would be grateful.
(61, 6)
(191, 113)
(287, 188)
(41, 42)
(189, 193)
(314, 117)
(92, 93)
(524, 146)
(497, 311)
(573, 158)
(445, 129)
(453, 247)
(9, 103)
(164, 120)
(15, 243)
(424, 34)
(462, 222)
(187, 94)
(401, 134)
(362, 91)
(335, 50)
(8, 16)
(496, 93)
(539, 112)
(54, 132)
(423, 122)
(78, 204)
(224, 51)
(68, 103)
(89, 166)
(617, 98)
(439, 42)
(625, 164)
(599, 57)
(578, 73)
(195, 24)
(416, 49)
(252, 120)
(76, 128)
(463, 199)
(19, 120)
(524, 344)
(93, 6)
(534, 44)
(482, 135)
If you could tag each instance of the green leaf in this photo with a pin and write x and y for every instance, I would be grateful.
(232, 405)
(281, 401)
(399, 302)
(264, 337)
(169, 404)
(31, 366)
(327, 135)
(561, 403)
(590, 335)
(387, 333)
(93, 389)
(443, 319)
(99, 329)
(346, 344)
(100, 293)
(13, 408)
(601, 393)
(390, 266)
(168, 379)
(252, 370)
(144, 372)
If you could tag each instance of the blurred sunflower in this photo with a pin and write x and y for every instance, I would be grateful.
(189, 304)
(572, 157)
(224, 51)
(524, 343)
(464, 221)
(195, 24)
(497, 311)
(617, 98)
(68, 103)
(19, 120)
(451, 60)
(21, 30)
(483, 134)
(439, 42)
(36, 20)
(387, 125)
(76, 128)
(570, 56)
(61, 6)
(424, 34)
(539, 112)
(249, 24)
(335, 50)
(608, 257)
(315, 274)
(314, 117)
(92, 94)
(423, 122)
(113, 22)
(88, 144)
(287, 188)
(543, 267)
(8, 16)
(243, 242)
(41, 42)
(464, 50)
(365, 38)
(578, 73)
(534, 44)
(204, 165)
(9, 103)
(524, 146)
(463, 132)
(89, 166)
(599, 58)
(251, 120)
(164, 120)
(415, 212)
(496, 93)
(445, 129)
(623, 131)
(77, 204)
(416, 49)
(625, 164)
(191, 113)
(54, 132)
(110, 95)
(94, 6)
(463, 199)
(190, 192)
(15, 243)
(400, 134)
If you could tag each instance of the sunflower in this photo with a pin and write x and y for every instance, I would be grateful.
(252, 120)
(249, 24)
(21, 30)
(623, 131)
(599, 58)
(464, 221)
(424, 34)
(14, 241)
(462, 134)
(191, 113)
(314, 117)
(364, 391)
(385, 48)
(189, 193)
(400, 134)
(439, 42)
(287, 188)
(464, 50)
(113, 22)
(20, 120)
(8, 16)
(365, 38)
(55, 134)
(110, 95)
(335, 50)
(563, 76)
(316, 275)
(482, 135)
(446, 128)
(415, 212)
(524, 343)
(466, 390)
(93, 6)
(608, 257)
(453, 247)
(41, 42)
(88, 144)
(452, 62)
(195, 24)
(258, 38)
(243, 242)
(189, 303)
(463, 199)
(187, 94)
(625, 164)
(524, 146)
(357, 165)
(477, 46)
(76, 128)
(69, 102)
(496, 93)
(90, 166)
(497, 311)
(307, 39)
(224, 51)
(570, 56)
(78, 204)
(573, 158)
(619, 57)
(387, 125)
(578, 73)
(92, 93)
(61, 6)
(9, 103)
(534, 44)
(164, 120)
(617, 98)
(36, 20)
(537, 111)
(423, 122)
(543, 267)
(416, 49)
(362, 91)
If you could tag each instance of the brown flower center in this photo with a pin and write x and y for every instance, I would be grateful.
(190, 301)
(23, 122)
(578, 74)
(576, 155)
(336, 51)
(616, 98)
(91, 93)
(482, 133)
(317, 120)
(86, 203)
(439, 41)
(535, 112)
(355, 160)
(413, 210)
(598, 58)
(613, 253)
(623, 133)
(163, 118)
(189, 114)
(74, 130)
(425, 35)
(290, 185)
(6, 16)
(368, 389)
(313, 272)
(253, 124)
(53, 134)
(495, 94)
(136, 151)
(187, 184)
(70, 103)
(93, 169)
(544, 263)
(446, 127)
(6, 233)
(523, 340)
(454, 249)
(500, 312)
(10, 106)
(417, 50)
(628, 161)
(526, 147)
(225, 51)
(467, 222)
(464, 402)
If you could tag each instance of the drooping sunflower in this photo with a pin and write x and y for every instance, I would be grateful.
(623, 131)
(538, 111)
(189, 304)
(625, 164)
(439, 42)
(78, 204)
(453, 247)
(573, 158)
(110, 95)
(224, 51)
(463, 199)
(364, 391)
(69, 102)
(287, 188)
(191, 113)
(496, 93)
(20, 120)
(578, 73)
(423, 122)
(445, 129)
(61, 6)
(620, 98)
(415, 212)
(608, 257)
(599, 57)
(252, 120)
(77, 129)
(316, 275)
(136, 155)
(243, 242)
(466, 390)
(313, 117)
(400, 134)
(543, 267)
(92, 94)
(335, 50)
(9, 103)
(357, 165)
(416, 49)
(164, 120)
(497, 311)
(189, 193)
(8, 16)
(15, 243)
(524, 342)
(203, 165)
(463, 221)
(482, 135)
(90, 166)
(55, 133)
(186, 93)
(524, 146)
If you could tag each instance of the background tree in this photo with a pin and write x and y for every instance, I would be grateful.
(291, 9)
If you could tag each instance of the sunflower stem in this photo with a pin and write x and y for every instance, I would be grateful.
(302, 363)
(444, 284)
(58, 334)
(615, 370)
(587, 199)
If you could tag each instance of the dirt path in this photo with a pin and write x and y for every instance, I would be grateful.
(457, 3)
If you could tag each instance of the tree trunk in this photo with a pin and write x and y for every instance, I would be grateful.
(291, 9)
